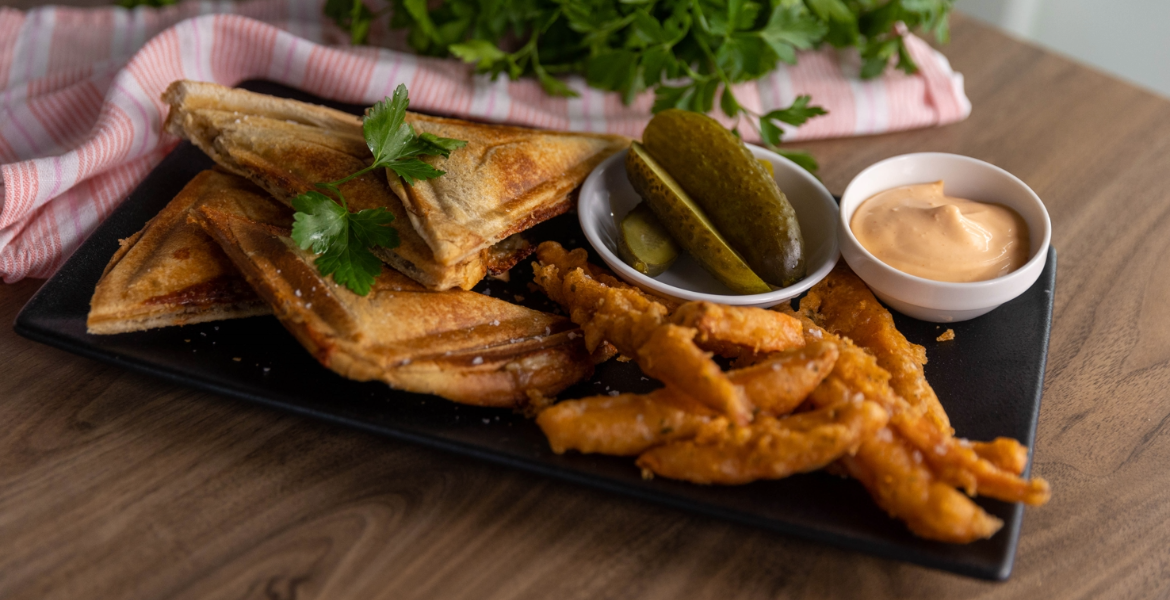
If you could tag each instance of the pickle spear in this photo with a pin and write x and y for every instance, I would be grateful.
(733, 188)
(646, 245)
(688, 225)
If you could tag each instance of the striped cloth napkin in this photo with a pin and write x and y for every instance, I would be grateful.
(80, 114)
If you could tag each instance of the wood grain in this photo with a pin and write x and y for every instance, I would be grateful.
(116, 485)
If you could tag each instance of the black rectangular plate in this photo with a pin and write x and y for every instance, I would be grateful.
(989, 378)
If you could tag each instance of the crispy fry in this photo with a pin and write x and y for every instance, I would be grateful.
(636, 326)
(732, 331)
(727, 330)
(895, 473)
(629, 424)
(550, 280)
(855, 372)
(842, 304)
(672, 356)
(959, 465)
(552, 253)
(623, 425)
(622, 316)
(769, 448)
(777, 385)
(1005, 453)
(902, 484)
(870, 407)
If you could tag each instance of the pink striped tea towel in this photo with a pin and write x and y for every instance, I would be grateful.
(80, 115)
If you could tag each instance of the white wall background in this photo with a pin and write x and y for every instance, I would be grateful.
(1128, 38)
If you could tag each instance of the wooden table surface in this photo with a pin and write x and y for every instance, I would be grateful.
(116, 485)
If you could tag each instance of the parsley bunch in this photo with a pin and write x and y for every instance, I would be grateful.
(689, 52)
(342, 239)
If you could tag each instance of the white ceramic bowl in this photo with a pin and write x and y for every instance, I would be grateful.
(964, 177)
(607, 196)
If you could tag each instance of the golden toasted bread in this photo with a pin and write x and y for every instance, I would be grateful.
(461, 345)
(172, 273)
(286, 146)
(505, 180)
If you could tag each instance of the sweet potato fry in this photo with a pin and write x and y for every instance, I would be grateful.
(769, 448)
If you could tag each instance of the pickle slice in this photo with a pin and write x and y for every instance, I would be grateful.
(688, 224)
(733, 188)
(646, 245)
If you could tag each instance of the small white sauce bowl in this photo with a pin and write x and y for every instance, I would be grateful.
(607, 196)
(964, 177)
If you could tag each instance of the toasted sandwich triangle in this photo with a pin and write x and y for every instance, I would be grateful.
(460, 345)
(505, 180)
(286, 147)
(172, 273)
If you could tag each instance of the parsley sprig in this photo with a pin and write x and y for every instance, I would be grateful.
(342, 239)
(689, 52)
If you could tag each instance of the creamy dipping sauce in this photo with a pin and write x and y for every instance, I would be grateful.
(919, 230)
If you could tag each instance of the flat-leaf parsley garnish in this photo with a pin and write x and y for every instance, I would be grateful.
(342, 239)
